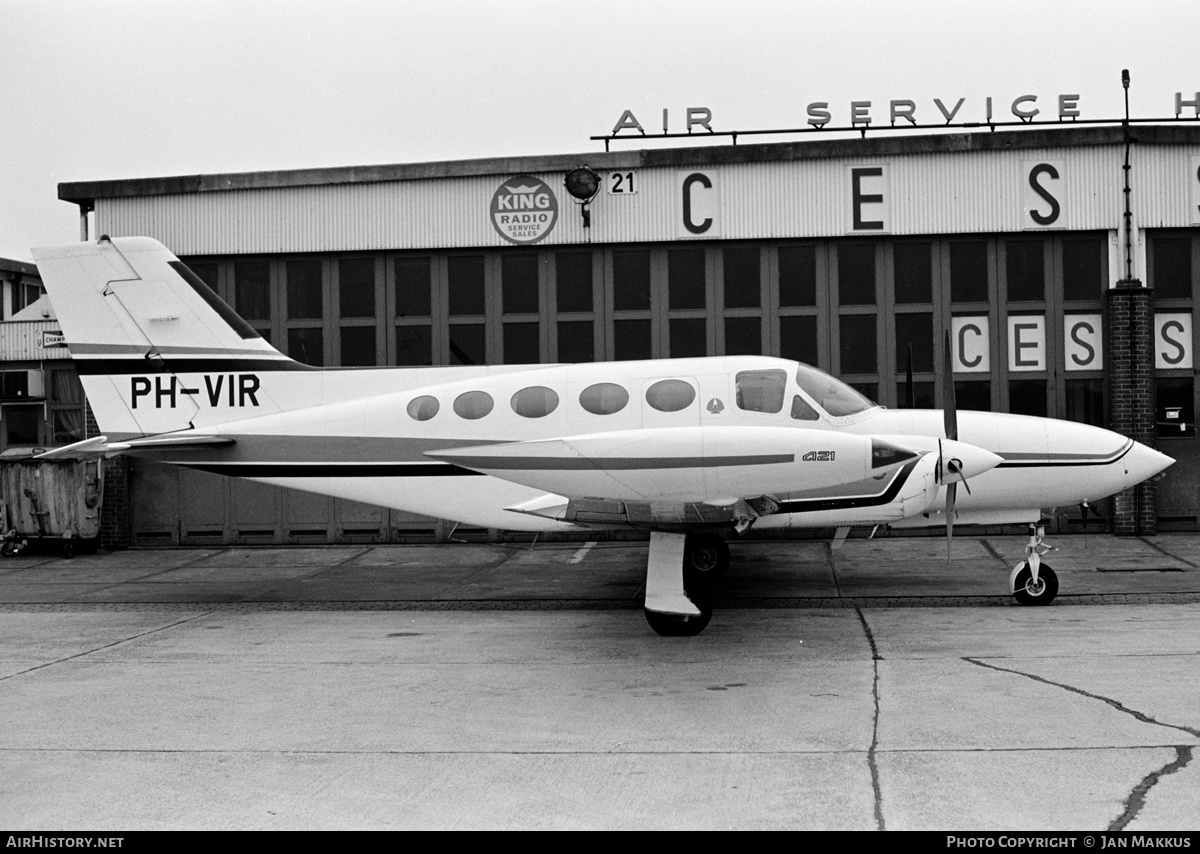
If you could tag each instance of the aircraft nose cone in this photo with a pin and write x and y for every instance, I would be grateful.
(1143, 463)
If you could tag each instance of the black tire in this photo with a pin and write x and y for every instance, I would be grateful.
(678, 626)
(705, 558)
(9, 548)
(1043, 594)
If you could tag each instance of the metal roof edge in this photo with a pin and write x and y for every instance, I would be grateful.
(84, 192)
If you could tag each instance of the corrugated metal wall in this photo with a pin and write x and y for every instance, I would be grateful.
(933, 193)
(21, 341)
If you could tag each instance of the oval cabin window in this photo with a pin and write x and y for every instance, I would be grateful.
(534, 402)
(603, 398)
(473, 405)
(670, 395)
(423, 408)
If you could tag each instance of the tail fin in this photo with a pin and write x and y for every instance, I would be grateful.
(136, 321)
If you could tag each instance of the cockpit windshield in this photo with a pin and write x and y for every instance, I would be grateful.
(832, 395)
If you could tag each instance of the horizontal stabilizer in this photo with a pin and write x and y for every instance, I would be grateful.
(99, 446)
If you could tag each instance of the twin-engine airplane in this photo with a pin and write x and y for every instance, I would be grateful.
(686, 449)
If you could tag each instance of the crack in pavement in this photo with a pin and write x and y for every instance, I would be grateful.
(871, 760)
(1137, 798)
(66, 658)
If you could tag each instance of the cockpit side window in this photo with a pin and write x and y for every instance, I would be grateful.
(761, 391)
(832, 395)
(801, 411)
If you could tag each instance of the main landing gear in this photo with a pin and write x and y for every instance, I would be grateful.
(1033, 582)
(678, 574)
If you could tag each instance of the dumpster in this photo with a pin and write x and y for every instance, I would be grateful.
(48, 500)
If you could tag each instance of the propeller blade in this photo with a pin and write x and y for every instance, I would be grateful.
(951, 495)
(911, 393)
(955, 466)
(949, 410)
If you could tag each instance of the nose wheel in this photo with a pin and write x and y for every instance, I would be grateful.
(1030, 591)
(1033, 582)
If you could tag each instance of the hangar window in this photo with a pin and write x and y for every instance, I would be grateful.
(603, 398)
(465, 280)
(631, 280)
(304, 290)
(969, 271)
(670, 395)
(1082, 276)
(519, 283)
(573, 280)
(798, 275)
(473, 405)
(685, 278)
(742, 266)
(412, 287)
(688, 337)
(414, 345)
(468, 344)
(575, 341)
(761, 391)
(1024, 270)
(423, 408)
(631, 339)
(798, 338)
(1171, 258)
(914, 272)
(252, 289)
(534, 402)
(856, 273)
(356, 287)
(743, 336)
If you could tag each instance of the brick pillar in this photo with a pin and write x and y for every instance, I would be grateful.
(1130, 356)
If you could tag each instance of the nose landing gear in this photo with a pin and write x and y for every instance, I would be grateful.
(1033, 582)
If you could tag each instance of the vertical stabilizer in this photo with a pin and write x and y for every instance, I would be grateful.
(149, 338)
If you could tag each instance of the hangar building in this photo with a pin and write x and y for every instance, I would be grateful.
(841, 253)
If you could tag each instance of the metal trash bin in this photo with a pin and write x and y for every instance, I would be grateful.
(43, 500)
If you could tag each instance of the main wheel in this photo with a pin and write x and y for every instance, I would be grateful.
(678, 625)
(705, 557)
(1041, 593)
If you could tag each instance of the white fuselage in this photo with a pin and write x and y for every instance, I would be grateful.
(382, 445)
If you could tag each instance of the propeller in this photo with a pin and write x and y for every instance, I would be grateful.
(950, 419)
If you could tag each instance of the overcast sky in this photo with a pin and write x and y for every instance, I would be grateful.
(101, 89)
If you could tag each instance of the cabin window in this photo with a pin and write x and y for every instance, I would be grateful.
(603, 398)
(534, 402)
(761, 391)
(423, 408)
(670, 395)
(801, 410)
(473, 404)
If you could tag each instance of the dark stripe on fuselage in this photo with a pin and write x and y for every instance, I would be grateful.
(176, 365)
(1027, 461)
(618, 463)
(333, 469)
(813, 505)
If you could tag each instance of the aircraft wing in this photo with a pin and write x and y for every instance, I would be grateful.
(682, 466)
